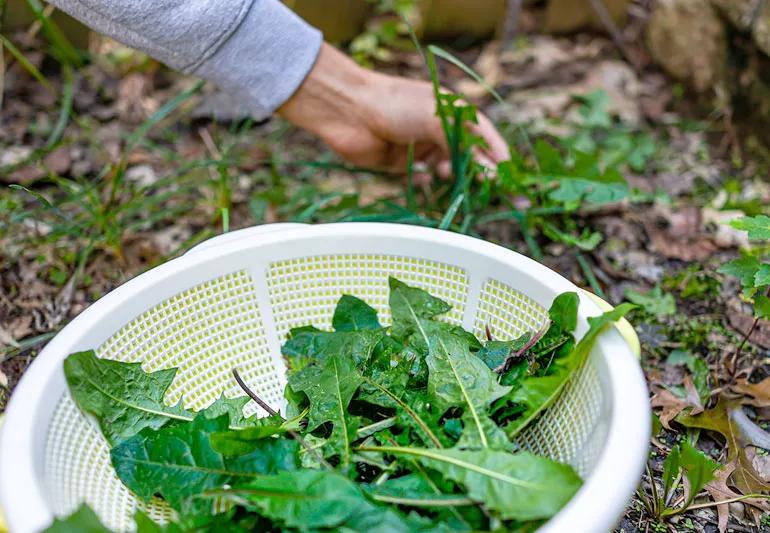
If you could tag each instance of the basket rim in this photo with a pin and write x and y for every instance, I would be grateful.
(611, 481)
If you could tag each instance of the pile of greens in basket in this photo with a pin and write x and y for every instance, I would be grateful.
(403, 428)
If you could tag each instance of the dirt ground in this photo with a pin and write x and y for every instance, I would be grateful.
(56, 258)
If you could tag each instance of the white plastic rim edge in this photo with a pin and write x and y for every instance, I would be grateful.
(245, 233)
(610, 484)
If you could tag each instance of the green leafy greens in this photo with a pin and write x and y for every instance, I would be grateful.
(400, 428)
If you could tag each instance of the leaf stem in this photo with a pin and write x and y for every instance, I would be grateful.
(423, 502)
(385, 423)
(673, 512)
(419, 421)
(252, 394)
(530, 343)
(589, 274)
(272, 412)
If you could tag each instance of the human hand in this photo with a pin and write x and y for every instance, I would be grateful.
(370, 119)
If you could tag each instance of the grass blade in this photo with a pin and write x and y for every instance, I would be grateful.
(164, 111)
(58, 130)
(63, 49)
(590, 276)
(225, 220)
(65, 111)
(410, 177)
(443, 54)
(24, 62)
(451, 212)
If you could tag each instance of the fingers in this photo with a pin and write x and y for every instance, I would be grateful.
(444, 169)
(495, 151)
(497, 147)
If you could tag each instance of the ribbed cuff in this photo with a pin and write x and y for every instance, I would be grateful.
(266, 58)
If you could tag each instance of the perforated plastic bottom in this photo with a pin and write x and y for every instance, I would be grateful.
(203, 331)
(305, 290)
(218, 325)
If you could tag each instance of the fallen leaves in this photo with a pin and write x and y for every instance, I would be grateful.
(740, 433)
(742, 322)
(756, 394)
(135, 101)
(720, 491)
(672, 405)
(676, 233)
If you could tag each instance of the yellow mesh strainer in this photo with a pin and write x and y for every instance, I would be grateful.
(231, 302)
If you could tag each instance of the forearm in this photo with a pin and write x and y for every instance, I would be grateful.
(257, 50)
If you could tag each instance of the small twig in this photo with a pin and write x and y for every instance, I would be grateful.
(530, 343)
(252, 394)
(488, 331)
(742, 345)
(272, 412)
(208, 141)
(35, 27)
(511, 23)
(746, 337)
(713, 504)
(654, 499)
(617, 36)
(2, 59)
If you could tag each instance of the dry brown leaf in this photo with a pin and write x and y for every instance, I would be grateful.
(676, 233)
(671, 405)
(6, 339)
(740, 433)
(692, 395)
(719, 491)
(135, 101)
(756, 394)
(743, 322)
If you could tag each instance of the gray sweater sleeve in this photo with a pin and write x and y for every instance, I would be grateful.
(257, 50)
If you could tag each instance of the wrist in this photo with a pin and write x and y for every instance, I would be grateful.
(334, 93)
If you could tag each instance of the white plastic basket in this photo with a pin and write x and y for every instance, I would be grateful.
(230, 303)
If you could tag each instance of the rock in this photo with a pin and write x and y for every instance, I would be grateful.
(749, 16)
(687, 38)
(565, 16)
(59, 161)
(13, 155)
(761, 31)
(725, 236)
(740, 13)
(143, 175)
(737, 511)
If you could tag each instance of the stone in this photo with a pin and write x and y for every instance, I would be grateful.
(739, 12)
(687, 38)
(761, 30)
